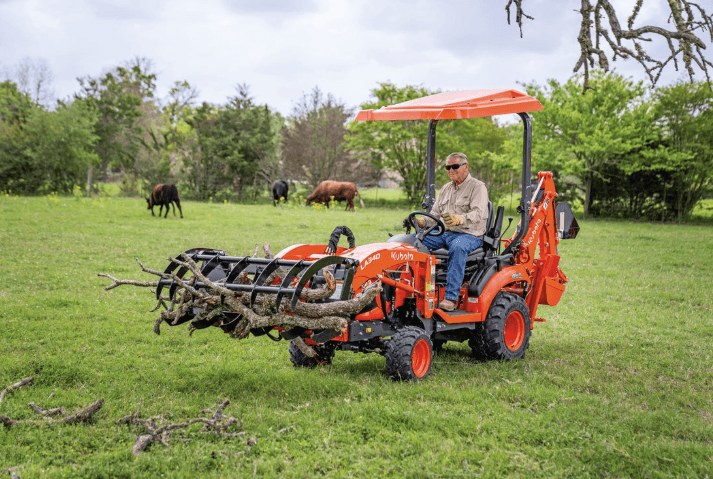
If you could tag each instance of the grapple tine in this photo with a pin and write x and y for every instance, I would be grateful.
(272, 266)
(192, 253)
(312, 270)
(347, 284)
(292, 274)
(237, 269)
(169, 269)
(210, 265)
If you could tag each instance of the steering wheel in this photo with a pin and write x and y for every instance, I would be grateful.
(436, 229)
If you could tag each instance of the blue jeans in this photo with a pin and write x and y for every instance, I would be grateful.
(458, 245)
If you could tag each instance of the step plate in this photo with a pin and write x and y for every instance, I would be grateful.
(458, 316)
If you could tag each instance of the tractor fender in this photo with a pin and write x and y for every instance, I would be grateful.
(506, 276)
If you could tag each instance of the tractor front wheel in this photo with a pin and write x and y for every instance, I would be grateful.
(325, 354)
(409, 354)
(506, 332)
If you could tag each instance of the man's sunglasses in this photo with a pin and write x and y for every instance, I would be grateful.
(455, 167)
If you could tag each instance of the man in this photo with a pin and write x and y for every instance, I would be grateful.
(463, 205)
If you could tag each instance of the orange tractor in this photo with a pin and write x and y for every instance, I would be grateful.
(506, 280)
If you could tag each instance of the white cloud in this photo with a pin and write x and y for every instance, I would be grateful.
(282, 49)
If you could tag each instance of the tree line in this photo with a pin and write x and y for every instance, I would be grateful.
(619, 148)
(624, 150)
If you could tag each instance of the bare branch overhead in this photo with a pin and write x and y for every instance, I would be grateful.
(691, 26)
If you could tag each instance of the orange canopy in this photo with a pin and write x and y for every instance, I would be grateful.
(455, 105)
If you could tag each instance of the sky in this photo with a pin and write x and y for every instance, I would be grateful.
(284, 49)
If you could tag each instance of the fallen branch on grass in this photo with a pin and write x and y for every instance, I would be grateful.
(82, 415)
(217, 423)
(18, 384)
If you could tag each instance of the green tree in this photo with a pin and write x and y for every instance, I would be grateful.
(15, 106)
(684, 112)
(33, 77)
(398, 146)
(232, 140)
(167, 137)
(43, 151)
(117, 98)
(313, 141)
(579, 134)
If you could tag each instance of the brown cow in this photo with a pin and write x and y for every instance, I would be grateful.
(164, 195)
(339, 190)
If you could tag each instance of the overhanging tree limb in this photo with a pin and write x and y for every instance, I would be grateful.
(600, 23)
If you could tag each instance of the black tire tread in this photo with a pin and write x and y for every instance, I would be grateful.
(493, 344)
(325, 354)
(398, 353)
(477, 342)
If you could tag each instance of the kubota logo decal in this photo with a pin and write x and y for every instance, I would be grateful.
(399, 256)
(534, 231)
(369, 260)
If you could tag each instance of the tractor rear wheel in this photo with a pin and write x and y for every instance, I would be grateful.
(506, 332)
(409, 354)
(325, 354)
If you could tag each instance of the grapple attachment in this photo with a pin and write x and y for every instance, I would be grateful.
(255, 276)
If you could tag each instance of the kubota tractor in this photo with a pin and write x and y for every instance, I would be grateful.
(505, 280)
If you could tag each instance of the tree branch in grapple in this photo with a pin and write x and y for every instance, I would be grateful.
(212, 299)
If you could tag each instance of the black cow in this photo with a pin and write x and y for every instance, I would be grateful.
(164, 195)
(279, 191)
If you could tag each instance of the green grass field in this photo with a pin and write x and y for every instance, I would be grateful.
(616, 383)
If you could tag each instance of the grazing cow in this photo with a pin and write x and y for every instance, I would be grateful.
(164, 195)
(279, 191)
(339, 190)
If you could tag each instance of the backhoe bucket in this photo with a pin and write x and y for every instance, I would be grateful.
(567, 225)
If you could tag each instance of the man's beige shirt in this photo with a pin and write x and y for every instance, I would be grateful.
(469, 199)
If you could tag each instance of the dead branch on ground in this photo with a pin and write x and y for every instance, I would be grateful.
(217, 423)
(18, 384)
(81, 415)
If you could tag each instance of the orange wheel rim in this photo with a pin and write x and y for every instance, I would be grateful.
(421, 358)
(514, 331)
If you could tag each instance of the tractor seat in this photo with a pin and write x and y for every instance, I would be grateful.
(442, 254)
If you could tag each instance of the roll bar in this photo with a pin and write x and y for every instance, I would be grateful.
(526, 198)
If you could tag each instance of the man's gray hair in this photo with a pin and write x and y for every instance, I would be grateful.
(463, 158)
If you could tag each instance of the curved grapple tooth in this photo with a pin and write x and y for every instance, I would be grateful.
(169, 269)
(313, 269)
(292, 274)
(269, 269)
(237, 269)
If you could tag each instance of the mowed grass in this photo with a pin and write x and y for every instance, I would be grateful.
(616, 383)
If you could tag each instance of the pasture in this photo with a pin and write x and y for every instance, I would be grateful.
(616, 383)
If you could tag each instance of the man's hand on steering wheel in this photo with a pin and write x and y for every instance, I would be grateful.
(422, 229)
(407, 223)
